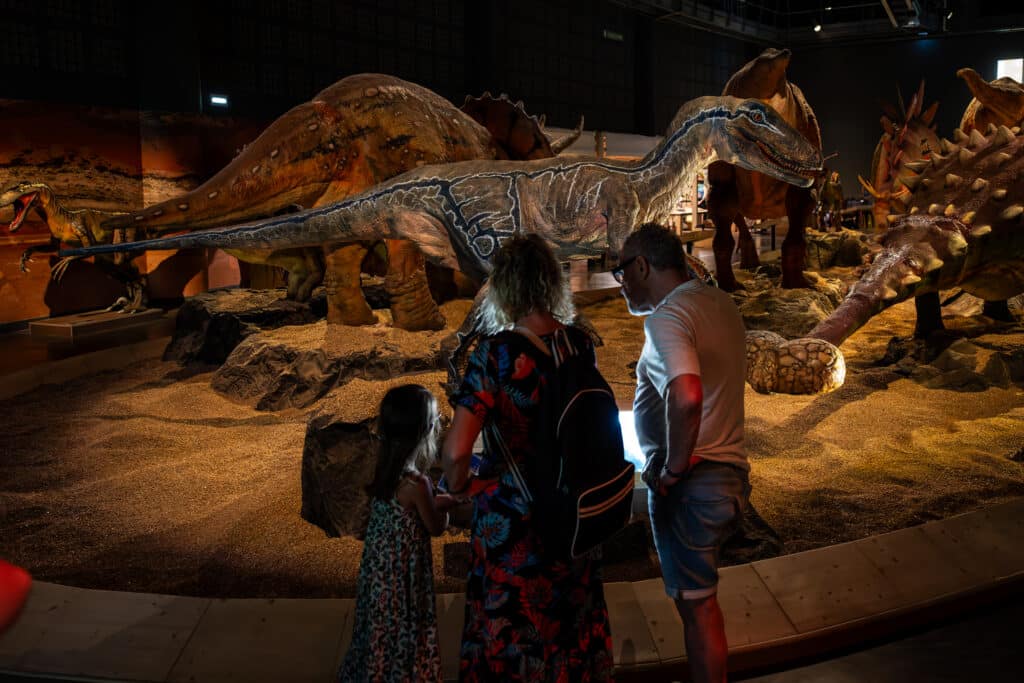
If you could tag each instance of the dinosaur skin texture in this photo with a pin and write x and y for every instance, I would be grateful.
(963, 229)
(737, 193)
(909, 136)
(354, 134)
(458, 214)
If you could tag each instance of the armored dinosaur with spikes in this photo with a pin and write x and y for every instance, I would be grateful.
(909, 136)
(736, 194)
(964, 228)
(352, 135)
(458, 214)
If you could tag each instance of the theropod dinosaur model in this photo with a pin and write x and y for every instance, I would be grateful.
(999, 102)
(909, 136)
(459, 213)
(737, 193)
(354, 134)
(964, 229)
(81, 227)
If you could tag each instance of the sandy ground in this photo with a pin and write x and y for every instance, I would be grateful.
(147, 480)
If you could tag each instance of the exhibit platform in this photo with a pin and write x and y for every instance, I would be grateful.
(79, 325)
(782, 610)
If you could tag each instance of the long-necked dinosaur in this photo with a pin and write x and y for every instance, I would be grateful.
(964, 229)
(737, 193)
(354, 134)
(459, 213)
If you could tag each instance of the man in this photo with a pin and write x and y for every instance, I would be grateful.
(689, 419)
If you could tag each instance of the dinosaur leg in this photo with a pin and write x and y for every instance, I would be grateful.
(929, 315)
(346, 304)
(794, 248)
(412, 306)
(748, 248)
(313, 259)
(998, 310)
(456, 347)
(723, 245)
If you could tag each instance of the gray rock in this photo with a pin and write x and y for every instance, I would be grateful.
(842, 248)
(210, 325)
(339, 454)
(292, 367)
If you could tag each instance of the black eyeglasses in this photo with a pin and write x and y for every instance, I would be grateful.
(620, 270)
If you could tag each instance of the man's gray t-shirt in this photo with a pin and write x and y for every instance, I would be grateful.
(696, 330)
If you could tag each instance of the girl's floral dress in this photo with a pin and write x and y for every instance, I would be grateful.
(394, 637)
(528, 618)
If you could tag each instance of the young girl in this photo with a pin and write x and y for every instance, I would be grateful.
(395, 633)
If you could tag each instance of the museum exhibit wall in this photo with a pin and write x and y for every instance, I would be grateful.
(115, 114)
(845, 85)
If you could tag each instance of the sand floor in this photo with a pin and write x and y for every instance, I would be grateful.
(147, 480)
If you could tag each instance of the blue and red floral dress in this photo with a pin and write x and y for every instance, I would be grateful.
(528, 617)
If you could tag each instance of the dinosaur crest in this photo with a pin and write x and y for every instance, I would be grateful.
(517, 134)
(908, 137)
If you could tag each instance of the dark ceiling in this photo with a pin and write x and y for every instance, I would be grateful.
(793, 22)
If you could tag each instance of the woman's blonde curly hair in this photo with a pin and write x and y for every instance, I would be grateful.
(526, 278)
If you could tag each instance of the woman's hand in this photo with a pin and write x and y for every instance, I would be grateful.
(457, 451)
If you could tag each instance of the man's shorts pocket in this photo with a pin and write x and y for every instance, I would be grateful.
(706, 523)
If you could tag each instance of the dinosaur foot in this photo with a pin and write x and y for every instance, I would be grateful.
(412, 307)
(797, 366)
(121, 303)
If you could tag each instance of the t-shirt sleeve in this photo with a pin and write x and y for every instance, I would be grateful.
(675, 347)
(479, 384)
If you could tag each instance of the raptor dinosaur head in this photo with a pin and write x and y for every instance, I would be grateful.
(23, 197)
(755, 137)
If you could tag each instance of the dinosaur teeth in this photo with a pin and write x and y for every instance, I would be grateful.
(916, 166)
(158, 212)
(910, 279)
(212, 195)
(977, 139)
(952, 180)
(183, 206)
(256, 169)
(1002, 158)
(968, 217)
(935, 209)
(981, 231)
(1003, 136)
(950, 210)
(965, 155)
(947, 146)
(275, 152)
(979, 184)
(959, 135)
(1012, 212)
(999, 194)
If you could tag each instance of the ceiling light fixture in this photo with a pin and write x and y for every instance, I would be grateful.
(817, 28)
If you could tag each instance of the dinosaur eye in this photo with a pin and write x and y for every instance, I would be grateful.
(757, 117)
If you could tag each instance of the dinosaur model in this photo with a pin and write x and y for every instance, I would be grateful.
(736, 193)
(964, 229)
(909, 136)
(999, 102)
(458, 214)
(354, 134)
(81, 227)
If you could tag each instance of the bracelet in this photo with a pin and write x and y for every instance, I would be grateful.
(674, 475)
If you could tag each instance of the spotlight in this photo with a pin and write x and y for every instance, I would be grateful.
(219, 100)
(829, 8)
(949, 16)
(817, 28)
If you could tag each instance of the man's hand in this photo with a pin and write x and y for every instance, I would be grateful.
(667, 481)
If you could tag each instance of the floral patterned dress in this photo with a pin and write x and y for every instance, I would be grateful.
(528, 617)
(394, 637)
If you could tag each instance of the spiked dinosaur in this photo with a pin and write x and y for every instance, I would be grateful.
(458, 214)
(999, 102)
(737, 193)
(354, 134)
(909, 136)
(964, 229)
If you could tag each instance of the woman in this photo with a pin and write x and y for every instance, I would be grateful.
(529, 616)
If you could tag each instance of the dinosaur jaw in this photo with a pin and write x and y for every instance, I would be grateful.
(22, 205)
(786, 170)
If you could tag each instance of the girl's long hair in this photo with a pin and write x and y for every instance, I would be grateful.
(407, 429)
(526, 277)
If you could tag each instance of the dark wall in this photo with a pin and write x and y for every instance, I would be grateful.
(846, 85)
(622, 70)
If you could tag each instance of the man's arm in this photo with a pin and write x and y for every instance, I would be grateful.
(684, 400)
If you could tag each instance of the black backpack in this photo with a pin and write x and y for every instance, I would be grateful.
(578, 480)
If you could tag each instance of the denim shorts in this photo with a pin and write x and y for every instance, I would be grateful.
(691, 523)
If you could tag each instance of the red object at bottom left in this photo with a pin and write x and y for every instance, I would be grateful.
(15, 583)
